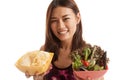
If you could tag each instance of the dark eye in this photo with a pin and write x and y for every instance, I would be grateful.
(52, 21)
(65, 19)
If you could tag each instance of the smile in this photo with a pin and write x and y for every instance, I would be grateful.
(63, 32)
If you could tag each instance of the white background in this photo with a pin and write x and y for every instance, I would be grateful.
(22, 29)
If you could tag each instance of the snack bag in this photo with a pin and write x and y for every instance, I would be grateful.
(34, 62)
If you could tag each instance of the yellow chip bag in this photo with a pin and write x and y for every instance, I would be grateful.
(34, 62)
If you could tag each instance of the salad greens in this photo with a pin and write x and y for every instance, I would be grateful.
(90, 58)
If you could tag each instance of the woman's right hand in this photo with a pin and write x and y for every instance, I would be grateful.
(27, 74)
(36, 76)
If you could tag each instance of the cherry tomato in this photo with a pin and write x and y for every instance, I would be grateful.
(86, 63)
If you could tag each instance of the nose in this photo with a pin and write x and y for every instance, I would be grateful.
(61, 24)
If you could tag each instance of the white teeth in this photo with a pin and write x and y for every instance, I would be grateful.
(63, 32)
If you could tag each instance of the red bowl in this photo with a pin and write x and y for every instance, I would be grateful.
(90, 74)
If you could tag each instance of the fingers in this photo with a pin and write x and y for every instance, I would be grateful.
(27, 74)
(37, 77)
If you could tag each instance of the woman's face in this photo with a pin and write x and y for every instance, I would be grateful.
(63, 23)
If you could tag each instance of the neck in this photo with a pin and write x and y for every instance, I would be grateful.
(66, 45)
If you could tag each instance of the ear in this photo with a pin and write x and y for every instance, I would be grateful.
(78, 17)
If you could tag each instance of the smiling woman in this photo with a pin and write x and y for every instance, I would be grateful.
(63, 35)
(63, 21)
(63, 26)
(22, 28)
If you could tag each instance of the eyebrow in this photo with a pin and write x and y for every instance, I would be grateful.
(62, 16)
(65, 15)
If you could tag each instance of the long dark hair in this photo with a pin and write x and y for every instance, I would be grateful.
(52, 43)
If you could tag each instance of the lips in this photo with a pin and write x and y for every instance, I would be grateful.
(62, 31)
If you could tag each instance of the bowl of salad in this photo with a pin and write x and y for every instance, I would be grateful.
(91, 61)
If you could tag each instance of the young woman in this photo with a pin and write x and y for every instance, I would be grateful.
(63, 35)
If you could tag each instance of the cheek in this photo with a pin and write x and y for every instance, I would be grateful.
(73, 23)
(72, 26)
(74, 29)
(53, 25)
(53, 28)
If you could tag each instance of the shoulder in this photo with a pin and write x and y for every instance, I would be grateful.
(42, 48)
